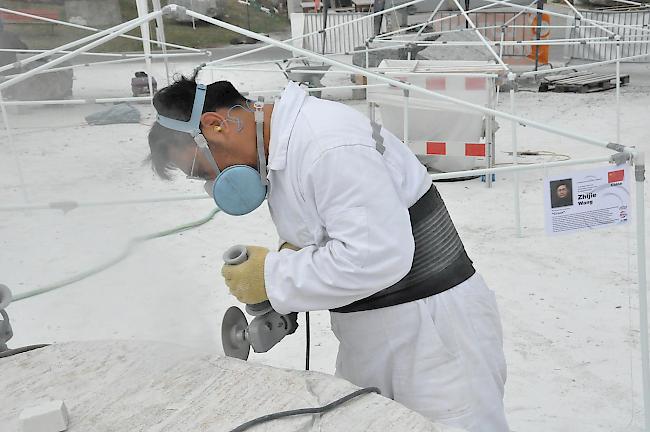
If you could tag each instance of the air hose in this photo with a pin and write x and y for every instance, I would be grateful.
(135, 241)
(304, 411)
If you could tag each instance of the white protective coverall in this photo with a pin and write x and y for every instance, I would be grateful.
(346, 205)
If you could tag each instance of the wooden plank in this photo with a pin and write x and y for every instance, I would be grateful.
(582, 83)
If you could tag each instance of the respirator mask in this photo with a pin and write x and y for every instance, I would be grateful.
(239, 189)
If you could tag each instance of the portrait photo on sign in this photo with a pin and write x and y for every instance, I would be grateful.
(561, 193)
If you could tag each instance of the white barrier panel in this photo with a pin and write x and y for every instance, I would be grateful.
(444, 135)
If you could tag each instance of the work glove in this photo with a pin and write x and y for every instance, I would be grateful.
(246, 280)
(287, 245)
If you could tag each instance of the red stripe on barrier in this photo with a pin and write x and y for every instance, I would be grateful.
(474, 149)
(474, 83)
(436, 148)
(436, 83)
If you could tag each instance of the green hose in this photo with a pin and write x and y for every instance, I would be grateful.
(135, 241)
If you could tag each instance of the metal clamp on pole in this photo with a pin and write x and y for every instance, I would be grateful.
(616, 147)
(619, 158)
(623, 154)
(639, 167)
(174, 9)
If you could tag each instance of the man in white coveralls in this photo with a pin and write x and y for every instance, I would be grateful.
(374, 243)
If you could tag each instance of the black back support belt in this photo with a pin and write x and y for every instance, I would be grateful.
(439, 262)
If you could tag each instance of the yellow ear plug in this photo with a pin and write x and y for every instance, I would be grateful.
(217, 128)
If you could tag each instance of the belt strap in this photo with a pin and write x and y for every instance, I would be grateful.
(439, 262)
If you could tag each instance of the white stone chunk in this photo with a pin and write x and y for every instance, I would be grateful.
(48, 417)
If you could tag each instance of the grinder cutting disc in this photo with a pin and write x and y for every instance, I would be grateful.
(233, 334)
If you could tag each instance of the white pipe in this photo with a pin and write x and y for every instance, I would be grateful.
(554, 26)
(515, 161)
(69, 24)
(507, 23)
(426, 22)
(618, 90)
(503, 36)
(583, 66)
(367, 57)
(80, 65)
(292, 49)
(489, 141)
(386, 71)
(315, 89)
(369, 50)
(462, 29)
(479, 43)
(632, 3)
(639, 170)
(582, 41)
(116, 31)
(251, 63)
(305, 71)
(160, 37)
(500, 170)
(395, 83)
(94, 54)
(143, 8)
(557, 42)
(144, 99)
(480, 36)
(47, 53)
(79, 101)
(406, 117)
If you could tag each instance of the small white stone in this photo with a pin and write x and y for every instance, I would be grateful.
(47, 417)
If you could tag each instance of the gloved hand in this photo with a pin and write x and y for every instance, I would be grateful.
(287, 245)
(246, 280)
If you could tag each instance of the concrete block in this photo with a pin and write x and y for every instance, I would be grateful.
(48, 417)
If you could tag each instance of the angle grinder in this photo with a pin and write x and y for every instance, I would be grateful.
(267, 328)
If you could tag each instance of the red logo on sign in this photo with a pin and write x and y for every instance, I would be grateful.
(436, 148)
(615, 176)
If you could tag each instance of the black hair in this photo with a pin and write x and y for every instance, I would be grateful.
(176, 101)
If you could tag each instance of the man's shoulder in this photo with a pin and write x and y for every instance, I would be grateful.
(327, 124)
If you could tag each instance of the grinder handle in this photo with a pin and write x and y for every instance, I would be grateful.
(235, 255)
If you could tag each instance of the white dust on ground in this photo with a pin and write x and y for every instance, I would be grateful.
(565, 301)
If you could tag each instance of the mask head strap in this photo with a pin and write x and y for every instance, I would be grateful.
(193, 125)
(259, 125)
